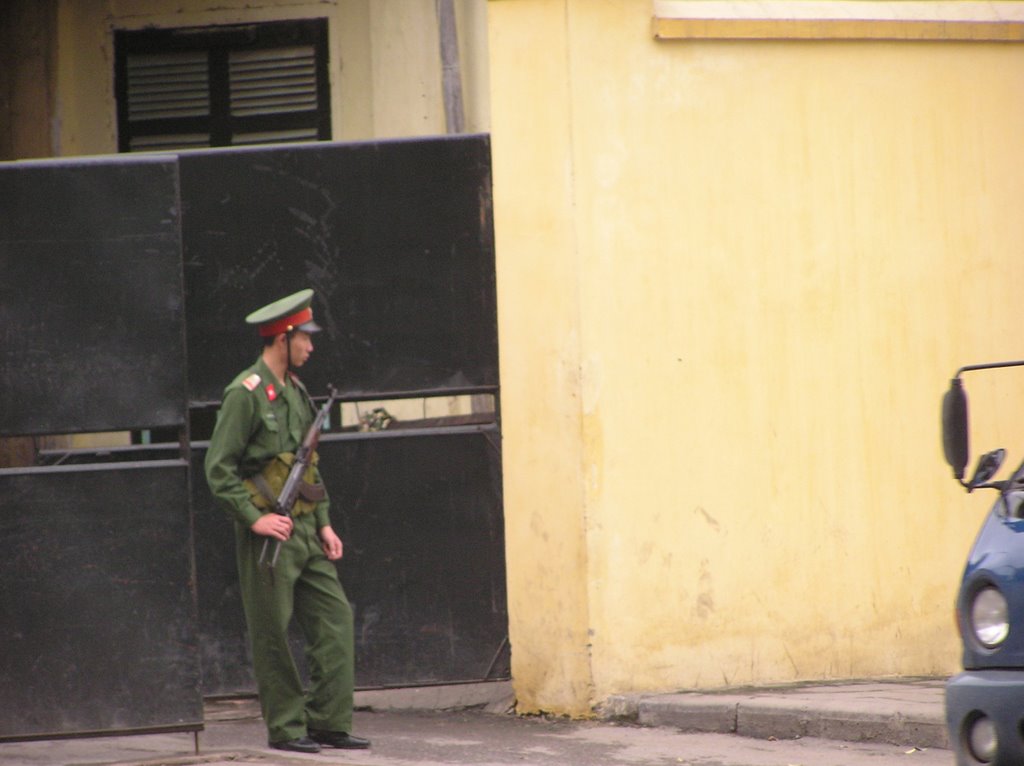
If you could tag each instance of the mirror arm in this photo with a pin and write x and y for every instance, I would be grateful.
(990, 366)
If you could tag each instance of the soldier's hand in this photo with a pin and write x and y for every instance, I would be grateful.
(331, 543)
(273, 525)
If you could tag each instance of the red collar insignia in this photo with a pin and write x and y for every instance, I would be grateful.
(271, 393)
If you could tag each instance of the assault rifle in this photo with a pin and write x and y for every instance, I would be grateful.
(292, 485)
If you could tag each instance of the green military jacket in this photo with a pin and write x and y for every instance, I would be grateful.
(258, 419)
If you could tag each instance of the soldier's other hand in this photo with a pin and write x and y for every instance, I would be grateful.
(273, 525)
(331, 543)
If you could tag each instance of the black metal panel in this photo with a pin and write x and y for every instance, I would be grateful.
(97, 606)
(420, 516)
(396, 237)
(223, 641)
(90, 296)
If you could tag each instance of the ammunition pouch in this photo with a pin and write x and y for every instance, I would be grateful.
(265, 487)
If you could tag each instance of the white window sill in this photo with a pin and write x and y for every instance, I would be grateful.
(977, 20)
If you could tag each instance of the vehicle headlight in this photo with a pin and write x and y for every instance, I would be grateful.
(989, 617)
(982, 740)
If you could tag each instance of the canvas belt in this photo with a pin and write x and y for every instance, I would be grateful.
(265, 486)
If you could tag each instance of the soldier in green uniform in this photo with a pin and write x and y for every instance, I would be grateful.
(265, 413)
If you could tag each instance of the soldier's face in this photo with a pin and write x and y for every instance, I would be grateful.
(301, 348)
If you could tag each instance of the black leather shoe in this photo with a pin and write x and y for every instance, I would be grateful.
(338, 739)
(300, 745)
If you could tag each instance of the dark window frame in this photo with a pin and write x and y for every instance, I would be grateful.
(218, 41)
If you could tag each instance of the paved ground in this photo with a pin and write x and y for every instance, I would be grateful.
(840, 724)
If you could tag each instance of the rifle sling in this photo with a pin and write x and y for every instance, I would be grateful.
(264, 488)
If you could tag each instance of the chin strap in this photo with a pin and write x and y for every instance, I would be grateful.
(287, 355)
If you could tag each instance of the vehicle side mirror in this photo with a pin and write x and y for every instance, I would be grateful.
(988, 466)
(954, 428)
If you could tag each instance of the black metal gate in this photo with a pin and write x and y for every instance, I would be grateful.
(97, 603)
(168, 256)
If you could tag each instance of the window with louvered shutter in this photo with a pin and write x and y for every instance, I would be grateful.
(222, 86)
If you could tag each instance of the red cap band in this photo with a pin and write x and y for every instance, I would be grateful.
(286, 324)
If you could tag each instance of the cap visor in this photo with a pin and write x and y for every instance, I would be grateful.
(309, 327)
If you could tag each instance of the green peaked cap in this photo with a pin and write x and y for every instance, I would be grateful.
(293, 312)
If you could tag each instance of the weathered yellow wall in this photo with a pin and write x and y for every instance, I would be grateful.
(540, 348)
(384, 62)
(734, 280)
(27, 78)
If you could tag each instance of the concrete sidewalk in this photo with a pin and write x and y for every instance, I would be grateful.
(904, 712)
(410, 726)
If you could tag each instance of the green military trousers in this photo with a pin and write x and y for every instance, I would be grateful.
(305, 584)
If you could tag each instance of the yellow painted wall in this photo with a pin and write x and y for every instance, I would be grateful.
(27, 62)
(540, 347)
(384, 62)
(734, 279)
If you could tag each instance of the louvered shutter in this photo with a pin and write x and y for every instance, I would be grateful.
(221, 86)
(165, 88)
(273, 81)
